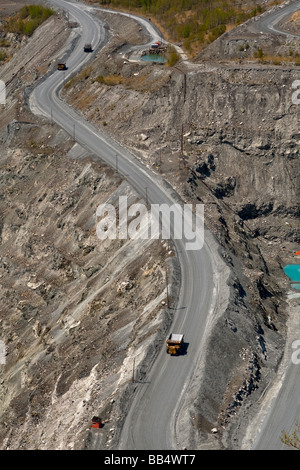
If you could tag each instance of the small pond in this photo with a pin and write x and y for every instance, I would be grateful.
(293, 272)
(154, 58)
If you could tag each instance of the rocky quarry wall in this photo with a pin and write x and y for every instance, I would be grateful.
(239, 132)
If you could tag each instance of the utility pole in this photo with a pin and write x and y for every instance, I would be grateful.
(182, 157)
(117, 165)
(184, 87)
(181, 140)
(146, 196)
(133, 367)
(167, 283)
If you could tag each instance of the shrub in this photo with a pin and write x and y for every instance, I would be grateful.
(259, 54)
(173, 56)
(3, 56)
(110, 80)
(28, 19)
(216, 32)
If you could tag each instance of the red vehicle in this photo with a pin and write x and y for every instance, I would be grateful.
(96, 422)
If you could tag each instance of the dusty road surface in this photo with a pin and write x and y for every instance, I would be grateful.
(199, 271)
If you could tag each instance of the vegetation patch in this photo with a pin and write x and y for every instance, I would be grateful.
(28, 19)
(194, 23)
(111, 80)
(3, 55)
(291, 58)
(172, 56)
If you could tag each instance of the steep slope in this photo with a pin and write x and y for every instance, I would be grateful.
(77, 313)
(63, 293)
(226, 136)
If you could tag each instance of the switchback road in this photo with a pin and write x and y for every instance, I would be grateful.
(152, 418)
(151, 421)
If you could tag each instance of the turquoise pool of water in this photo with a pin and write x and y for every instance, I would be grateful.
(154, 58)
(296, 286)
(293, 272)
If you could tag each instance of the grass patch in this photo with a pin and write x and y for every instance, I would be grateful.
(28, 19)
(111, 80)
(276, 59)
(143, 83)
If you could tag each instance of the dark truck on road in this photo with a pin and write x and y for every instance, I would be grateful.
(61, 66)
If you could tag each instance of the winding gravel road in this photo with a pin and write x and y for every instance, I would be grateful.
(268, 23)
(150, 423)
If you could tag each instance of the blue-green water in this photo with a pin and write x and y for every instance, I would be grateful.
(296, 286)
(154, 58)
(293, 272)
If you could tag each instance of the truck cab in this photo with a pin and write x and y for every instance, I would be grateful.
(175, 344)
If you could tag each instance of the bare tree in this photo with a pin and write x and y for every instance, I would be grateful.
(293, 439)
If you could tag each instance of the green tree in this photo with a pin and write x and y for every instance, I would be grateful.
(199, 21)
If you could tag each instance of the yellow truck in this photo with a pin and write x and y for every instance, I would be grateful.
(175, 344)
(61, 66)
